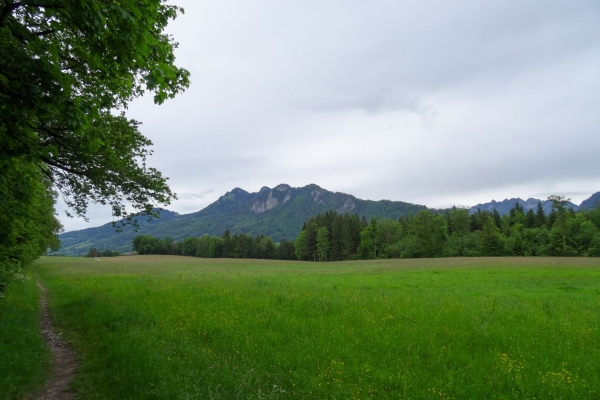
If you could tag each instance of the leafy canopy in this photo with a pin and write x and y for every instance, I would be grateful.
(65, 66)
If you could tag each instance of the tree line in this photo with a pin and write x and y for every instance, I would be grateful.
(94, 252)
(453, 233)
(226, 246)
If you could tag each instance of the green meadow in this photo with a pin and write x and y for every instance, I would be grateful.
(166, 327)
(24, 358)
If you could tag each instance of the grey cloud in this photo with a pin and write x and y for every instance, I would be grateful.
(194, 196)
(430, 102)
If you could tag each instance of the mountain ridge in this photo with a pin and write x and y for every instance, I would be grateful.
(504, 206)
(278, 212)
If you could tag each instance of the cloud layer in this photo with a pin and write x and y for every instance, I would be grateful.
(436, 102)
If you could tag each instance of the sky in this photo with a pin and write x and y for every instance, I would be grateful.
(429, 102)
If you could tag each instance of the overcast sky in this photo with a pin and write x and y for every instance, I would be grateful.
(430, 102)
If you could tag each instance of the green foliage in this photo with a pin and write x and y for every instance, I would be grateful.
(540, 216)
(286, 251)
(93, 253)
(491, 242)
(369, 240)
(322, 243)
(429, 230)
(449, 233)
(299, 245)
(28, 226)
(234, 212)
(228, 246)
(64, 68)
(454, 234)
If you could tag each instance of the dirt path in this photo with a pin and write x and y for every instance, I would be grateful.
(63, 358)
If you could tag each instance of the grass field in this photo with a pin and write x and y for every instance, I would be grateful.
(162, 327)
(24, 358)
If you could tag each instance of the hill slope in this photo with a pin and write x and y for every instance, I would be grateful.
(278, 212)
(106, 238)
(592, 202)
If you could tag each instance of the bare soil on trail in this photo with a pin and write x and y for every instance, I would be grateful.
(64, 363)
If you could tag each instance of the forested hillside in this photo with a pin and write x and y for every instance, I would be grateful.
(453, 233)
(278, 213)
(106, 236)
(592, 202)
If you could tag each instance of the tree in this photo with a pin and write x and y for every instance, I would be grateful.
(369, 240)
(517, 215)
(169, 245)
(190, 245)
(540, 215)
(491, 241)
(270, 248)
(299, 245)
(335, 249)
(497, 218)
(389, 234)
(215, 247)
(286, 250)
(322, 243)
(309, 249)
(530, 218)
(93, 253)
(460, 222)
(64, 68)
(27, 223)
(430, 233)
(350, 235)
(582, 232)
(226, 244)
(561, 222)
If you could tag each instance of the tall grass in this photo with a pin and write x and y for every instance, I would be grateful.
(169, 327)
(24, 359)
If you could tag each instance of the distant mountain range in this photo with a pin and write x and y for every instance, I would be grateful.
(278, 212)
(504, 207)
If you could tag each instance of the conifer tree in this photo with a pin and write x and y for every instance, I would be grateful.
(540, 215)
(491, 244)
(322, 243)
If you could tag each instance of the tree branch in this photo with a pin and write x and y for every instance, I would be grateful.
(44, 33)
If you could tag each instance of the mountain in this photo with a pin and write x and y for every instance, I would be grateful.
(503, 207)
(592, 202)
(278, 212)
(105, 237)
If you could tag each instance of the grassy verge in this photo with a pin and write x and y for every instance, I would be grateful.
(24, 358)
(173, 327)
